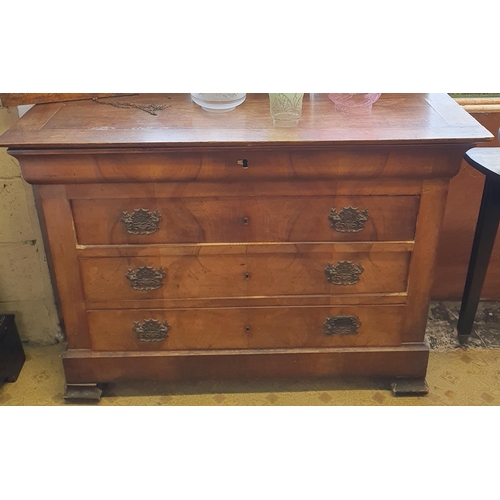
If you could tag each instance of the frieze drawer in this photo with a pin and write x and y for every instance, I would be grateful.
(234, 165)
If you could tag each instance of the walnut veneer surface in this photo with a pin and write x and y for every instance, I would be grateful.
(196, 245)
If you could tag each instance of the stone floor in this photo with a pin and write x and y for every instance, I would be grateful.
(441, 333)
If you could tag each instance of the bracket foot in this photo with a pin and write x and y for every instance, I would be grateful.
(410, 387)
(79, 393)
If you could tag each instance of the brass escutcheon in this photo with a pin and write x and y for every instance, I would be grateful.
(344, 273)
(348, 220)
(342, 325)
(146, 278)
(151, 330)
(141, 221)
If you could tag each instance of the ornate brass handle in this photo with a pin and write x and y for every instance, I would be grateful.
(348, 220)
(342, 325)
(151, 330)
(343, 273)
(141, 221)
(146, 278)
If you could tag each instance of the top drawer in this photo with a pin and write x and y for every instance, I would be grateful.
(238, 165)
(245, 219)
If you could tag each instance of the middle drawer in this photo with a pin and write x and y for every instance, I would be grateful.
(245, 219)
(184, 272)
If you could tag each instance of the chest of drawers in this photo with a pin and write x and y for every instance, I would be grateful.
(196, 246)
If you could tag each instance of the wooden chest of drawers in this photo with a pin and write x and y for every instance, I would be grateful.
(190, 245)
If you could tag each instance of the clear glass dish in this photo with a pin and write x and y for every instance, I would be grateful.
(218, 103)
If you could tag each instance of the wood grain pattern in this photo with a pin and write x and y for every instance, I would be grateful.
(395, 118)
(367, 299)
(245, 328)
(34, 98)
(244, 249)
(245, 273)
(244, 219)
(262, 188)
(236, 248)
(58, 224)
(430, 217)
(407, 361)
(189, 165)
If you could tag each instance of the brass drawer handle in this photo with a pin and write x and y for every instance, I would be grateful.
(342, 325)
(343, 273)
(141, 221)
(151, 330)
(146, 278)
(348, 220)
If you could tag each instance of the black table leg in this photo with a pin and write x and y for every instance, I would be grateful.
(484, 239)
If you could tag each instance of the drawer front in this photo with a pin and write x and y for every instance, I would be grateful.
(303, 270)
(240, 165)
(240, 328)
(139, 166)
(245, 219)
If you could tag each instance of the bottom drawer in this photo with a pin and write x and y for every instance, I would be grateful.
(245, 328)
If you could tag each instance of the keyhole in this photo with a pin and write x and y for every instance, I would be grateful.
(245, 221)
(246, 276)
(243, 163)
(247, 329)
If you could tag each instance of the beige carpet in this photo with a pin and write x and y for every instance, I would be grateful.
(464, 376)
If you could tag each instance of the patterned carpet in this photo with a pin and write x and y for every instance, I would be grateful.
(461, 376)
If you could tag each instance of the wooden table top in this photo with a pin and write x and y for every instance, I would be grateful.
(394, 119)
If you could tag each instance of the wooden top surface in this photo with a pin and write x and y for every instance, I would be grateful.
(486, 160)
(395, 118)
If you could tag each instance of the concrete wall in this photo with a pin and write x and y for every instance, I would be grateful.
(25, 287)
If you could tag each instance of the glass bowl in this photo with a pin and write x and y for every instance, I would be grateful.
(218, 103)
(353, 103)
